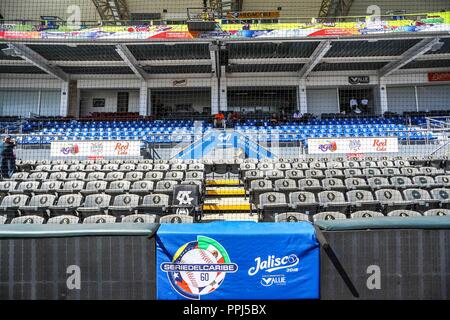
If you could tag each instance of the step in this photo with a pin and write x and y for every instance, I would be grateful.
(223, 182)
(225, 191)
(227, 204)
(239, 216)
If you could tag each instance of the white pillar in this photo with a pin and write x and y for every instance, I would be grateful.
(149, 100)
(383, 96)
(64, 103)
(143, 99)
(302, 98)
(214, 96)
(223, 93)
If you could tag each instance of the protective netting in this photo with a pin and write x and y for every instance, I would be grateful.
(249, 110)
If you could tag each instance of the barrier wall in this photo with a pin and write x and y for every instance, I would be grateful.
(77, 262)
(386, 264)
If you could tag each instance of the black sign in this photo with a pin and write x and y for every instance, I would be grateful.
(186, 195)
(358, 79)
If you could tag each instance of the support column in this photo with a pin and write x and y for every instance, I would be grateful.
(74, 99)
(150, 105)
(302, 97)
(215, 97)
(223, 91)
(64, 102)
(383, 96)
(143, 99)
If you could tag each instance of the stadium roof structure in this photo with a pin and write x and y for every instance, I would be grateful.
(379, 55)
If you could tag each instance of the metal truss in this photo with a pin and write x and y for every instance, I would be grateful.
(335, 8)
(112, 10)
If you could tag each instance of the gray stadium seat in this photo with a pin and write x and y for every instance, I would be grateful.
(7, 186)
(253, 175)
(353, 173)
(335, 165)
(372, 172)
(42, 168)
(444, 180)
(366, 214)
(437, 212)
(401, 182)
(118, 187)
(28, 220)
(97, 175)
(176, 218)
(391, 199)
(196, 167)
(142, 187)
(300, 166)
(178, 167)
(264, 166)
(100, 218)
(362, 200)
(291, 217)
(76, 176)
(3, 219)
(272, 202)
(139, 218)
(334, 173)
(385, 164)
(124, 204)
(312, 185)
(95, 167)
(421, 199)
(76, 167)
(174, 175)
(356, 183)
(443, 195)
(110, 167)
(67, 204)
(376, 183)
(333, 201)
(195, 175)
(10, 204)
(58, 175)
(404, 213)
(26, 187)
(113, 176)
(19, 176)
(294, 174)
(368, 164)
(430, 171)
(390, 172)
(161, 167)
(351, 164)
(317, 165)
(127, 167)
(258, 187)
(314, 174)
(94, 204)
(285, 186)
(144, 167)
(154, 204)
(333, 184)
(154, 175)
(134, 176)
(50, 187)
(329, 216)
(64, 219)
(274, 174)
(165, 186)
(72, 186)
(424, 182)
(282, 166)
(38, 176)
(409, 171)
(93, 187)
(303, 201)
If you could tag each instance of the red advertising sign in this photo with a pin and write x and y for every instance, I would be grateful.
(173, 35)
(21, 35)
(439, 76)
(334, 32)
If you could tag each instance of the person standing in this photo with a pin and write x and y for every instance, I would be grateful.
(365, 105)
(354, 105)
(8, 158)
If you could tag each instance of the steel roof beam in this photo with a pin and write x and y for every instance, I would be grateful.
(315, 58)
(411, 54)
(131, 61)
(34, 58)
(112, 10)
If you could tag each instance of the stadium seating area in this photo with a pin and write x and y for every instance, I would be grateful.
(106, 191)
(168, 131)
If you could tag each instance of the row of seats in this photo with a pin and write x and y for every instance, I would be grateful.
(108, 175)
(50, 205)
(141, 187)
(385, 200)
(97, 219)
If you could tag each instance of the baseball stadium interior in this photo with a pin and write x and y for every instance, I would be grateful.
(144, 123)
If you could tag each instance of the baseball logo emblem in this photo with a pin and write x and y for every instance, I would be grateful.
(198, 268)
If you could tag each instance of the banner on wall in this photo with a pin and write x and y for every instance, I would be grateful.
(95, 149)
(438, 76)
(237, 260)
(352, 145)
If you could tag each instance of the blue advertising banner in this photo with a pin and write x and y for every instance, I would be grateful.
(237, 260)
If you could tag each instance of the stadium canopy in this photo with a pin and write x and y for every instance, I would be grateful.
(379, 55)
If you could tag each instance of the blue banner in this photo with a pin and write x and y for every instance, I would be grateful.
(237, 260)
(219, 139)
